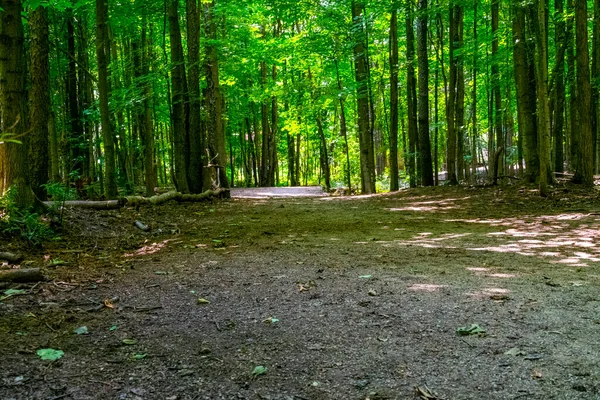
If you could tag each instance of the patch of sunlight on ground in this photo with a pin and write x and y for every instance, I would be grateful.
(489, 293)
(426, 287)
(148, 249)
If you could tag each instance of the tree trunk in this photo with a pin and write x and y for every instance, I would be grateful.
(497, 156)
(266, 169)
(411, 101)
(585, 171)
(596, 84)
(459, 122)
(543, 111)
(323, 155)
(474, 98)
(178, 83)
(394, 179)
(76, 140)
(423, 99)
(195, 167)
(558, 91)
(367, 159)
(13, 105)
(214, 100)
(526, 100)
(451, 104)
(573, 129)
(39, 95)
(103, 55)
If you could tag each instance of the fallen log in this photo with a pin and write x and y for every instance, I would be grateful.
(21, 275)
(221, 193)
(12, 257)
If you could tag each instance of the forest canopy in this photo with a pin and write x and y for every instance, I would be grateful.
(104, 97)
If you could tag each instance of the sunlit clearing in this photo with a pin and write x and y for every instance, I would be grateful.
(149, 249)
(426, 287)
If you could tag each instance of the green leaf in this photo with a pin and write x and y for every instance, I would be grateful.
(82, 330)
(203, 301)
(113, 328)
(139, 356)
(160, 273)
(259, 370)
(271, 320)
(50, 354)
(14, 292)
(473, 329)
(129, 342)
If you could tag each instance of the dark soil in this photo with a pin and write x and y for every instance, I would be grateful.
(338, 298)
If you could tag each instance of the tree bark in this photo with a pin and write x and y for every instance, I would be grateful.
(543, 111)
(197, 145)
(39, 95)
(214, 99)
(178, 83)
(411, 101)
(13, 105)
(103, 55)
(526, 100)
(558, 91)
(367, 158)
(496, 160)
(425, 163)
(394, 179)
(585, 171)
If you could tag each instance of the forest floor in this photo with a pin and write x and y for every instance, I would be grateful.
(316, 298)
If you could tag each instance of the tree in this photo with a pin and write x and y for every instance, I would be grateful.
(425, 163)
(13, 105)
(585, 171)
(103, 55)
(394, 101)
(39, 95)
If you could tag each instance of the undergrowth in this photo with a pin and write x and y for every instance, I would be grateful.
(25, 224)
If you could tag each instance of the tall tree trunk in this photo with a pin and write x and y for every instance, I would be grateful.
(585, 172)
(367, 158)
(76, 140)
(411, 89)
(343, 127)
(451, 104)
(425, 163)
(214, 99)
(526, 100)
(496, 163)
(266, 169)
(459, 122)
(195, 167)
(39, 95)
(596, 84)
(558, 91)
(178, 83)
(103, 56)
(394, 179)
(13, 105)
(573, 129)
(474, 97)
(543, 111)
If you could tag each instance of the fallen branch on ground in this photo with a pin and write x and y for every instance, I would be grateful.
(221, 193)
(22, 275)
(12, 257)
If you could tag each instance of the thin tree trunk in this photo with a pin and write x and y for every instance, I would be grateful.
(367, 159)
(543, 111)
(103, 56)
(474, 136)
(411, 89)
(423, 98)
(394, 179)
(497, 165)
(558, 91)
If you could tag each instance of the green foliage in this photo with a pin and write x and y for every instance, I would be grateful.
(50, 354)
(23, 223)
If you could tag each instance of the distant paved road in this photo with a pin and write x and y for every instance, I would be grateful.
(280, 192)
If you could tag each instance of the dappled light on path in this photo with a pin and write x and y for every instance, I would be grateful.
(426, 287)
(148, 249)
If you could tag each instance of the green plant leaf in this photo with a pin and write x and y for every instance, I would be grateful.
(14, 292)
(259, 370)
(473, 329)
(113, 328)
(129, 342)
(139, 356)
(50, 354)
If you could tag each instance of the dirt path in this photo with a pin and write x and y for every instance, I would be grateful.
(337, 298)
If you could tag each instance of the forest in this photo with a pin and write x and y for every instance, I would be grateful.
(106, 97)
(299, 199)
